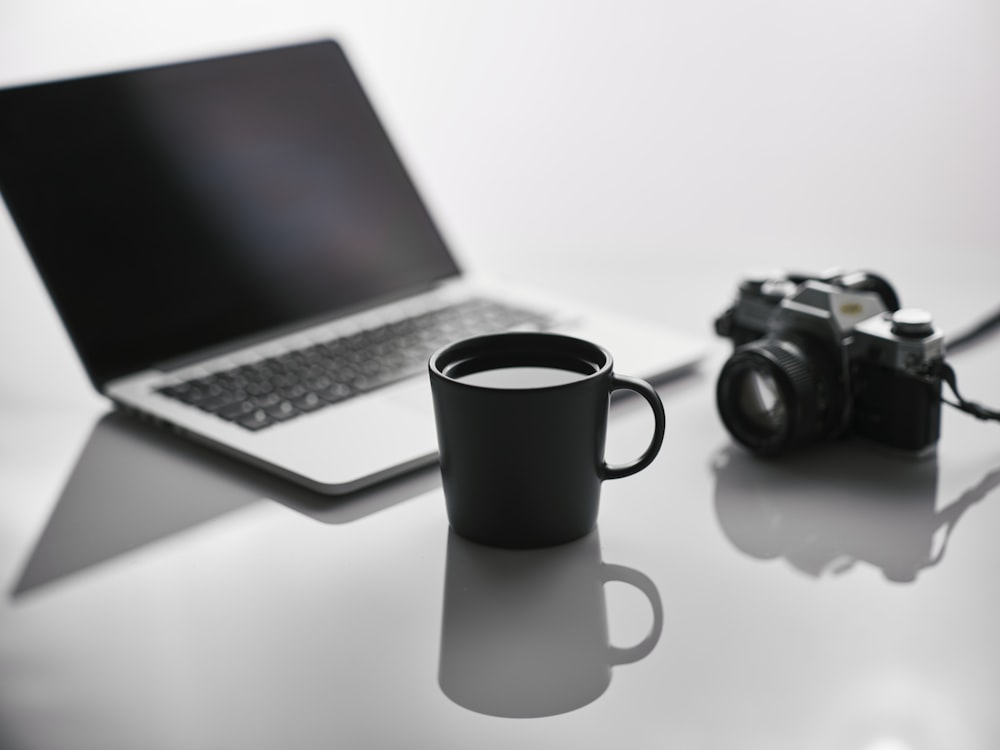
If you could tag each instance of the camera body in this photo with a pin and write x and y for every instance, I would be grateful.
(820, 357)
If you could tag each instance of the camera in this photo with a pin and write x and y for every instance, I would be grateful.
(821, 357)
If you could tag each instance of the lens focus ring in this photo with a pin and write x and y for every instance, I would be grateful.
(771, 395)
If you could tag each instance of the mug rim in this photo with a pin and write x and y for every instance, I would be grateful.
(528, 341)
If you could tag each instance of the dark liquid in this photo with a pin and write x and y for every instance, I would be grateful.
(521, 377)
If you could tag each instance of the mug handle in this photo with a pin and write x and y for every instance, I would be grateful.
(642, 582)
(644, 389)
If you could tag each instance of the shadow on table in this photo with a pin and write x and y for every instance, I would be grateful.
(826, 510)
(135, 484)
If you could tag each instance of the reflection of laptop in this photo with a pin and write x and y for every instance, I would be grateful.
(154, 485)
(207, 228)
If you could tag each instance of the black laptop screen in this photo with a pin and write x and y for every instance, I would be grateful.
(169, 209)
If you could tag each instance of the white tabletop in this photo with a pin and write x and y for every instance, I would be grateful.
(155, 595)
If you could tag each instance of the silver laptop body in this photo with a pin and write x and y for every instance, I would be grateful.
(194, 219)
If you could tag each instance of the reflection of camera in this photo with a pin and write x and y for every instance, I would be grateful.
(820, 357)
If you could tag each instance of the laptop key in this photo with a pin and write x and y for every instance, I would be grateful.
(236, 410)
(266, 401)
(282, 410)
(309, 402)
(335, 393)
(256, 420)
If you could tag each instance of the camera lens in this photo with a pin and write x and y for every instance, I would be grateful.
(761, 402)
(775, 394)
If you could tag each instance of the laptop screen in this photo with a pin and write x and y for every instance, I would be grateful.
(173, 208)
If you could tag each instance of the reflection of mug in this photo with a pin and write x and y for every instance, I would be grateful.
(521, 423)
(525, 633)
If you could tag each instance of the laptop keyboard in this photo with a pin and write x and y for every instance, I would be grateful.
(297, 382)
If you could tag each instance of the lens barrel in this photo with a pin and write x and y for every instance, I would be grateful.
(775, 394)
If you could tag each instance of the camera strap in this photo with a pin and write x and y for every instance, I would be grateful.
(969, 407)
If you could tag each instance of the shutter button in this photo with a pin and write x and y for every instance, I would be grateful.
(912, 322)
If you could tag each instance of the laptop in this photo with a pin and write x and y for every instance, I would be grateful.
(238, 253)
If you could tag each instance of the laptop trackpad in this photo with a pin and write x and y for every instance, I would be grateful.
(413, 396)
(360, 438)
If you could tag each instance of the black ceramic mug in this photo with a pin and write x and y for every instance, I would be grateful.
(521, 424)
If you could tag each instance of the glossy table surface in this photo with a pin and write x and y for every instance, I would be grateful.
(159, 596)
(156, 595)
